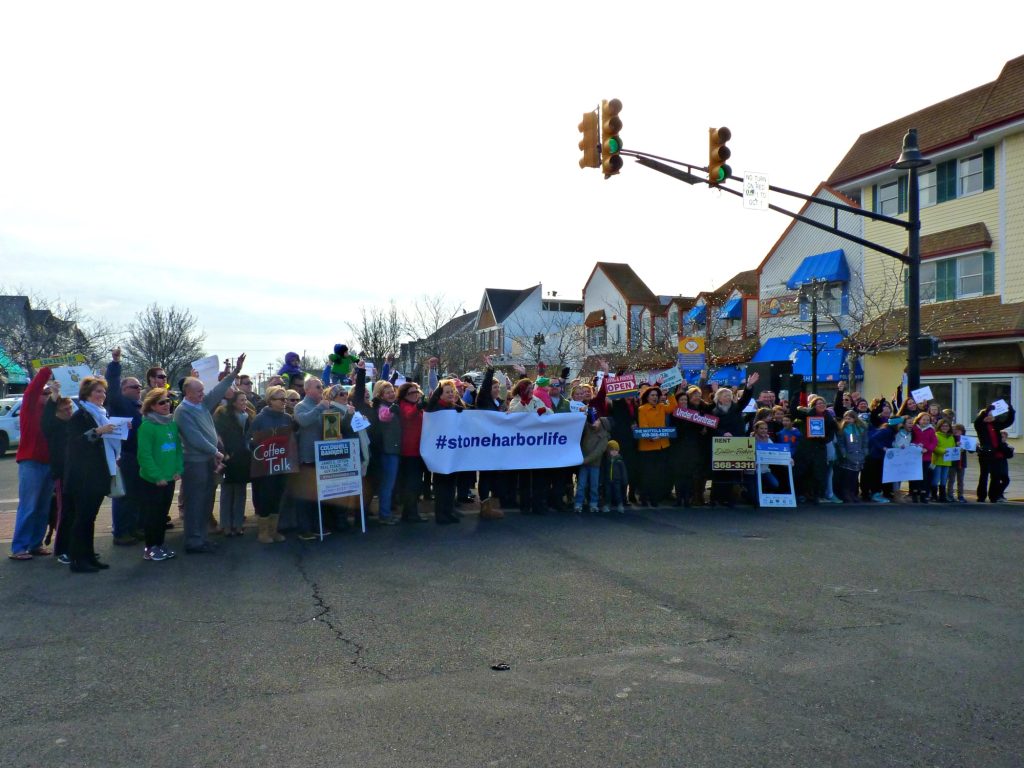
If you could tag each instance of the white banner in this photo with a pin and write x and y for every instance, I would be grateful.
(902, 464)
(484, 440)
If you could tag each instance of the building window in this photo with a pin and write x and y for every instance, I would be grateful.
(972, 175)
(888, 199)
(674, 325)
(492, 339)
(984, 393)
(972, 275)
(961, 277)
(596, 337)
(926, 185)
(832, 300)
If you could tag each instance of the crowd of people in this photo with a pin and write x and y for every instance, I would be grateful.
(71, 457)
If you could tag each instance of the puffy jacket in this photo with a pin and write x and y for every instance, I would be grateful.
(927, 440)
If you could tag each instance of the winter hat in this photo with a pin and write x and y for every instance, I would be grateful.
(895, 421)
(339, 349)
(543, 381)
(613, 445)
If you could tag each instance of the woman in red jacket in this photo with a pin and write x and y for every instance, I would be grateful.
(35, 484)
(410, 463)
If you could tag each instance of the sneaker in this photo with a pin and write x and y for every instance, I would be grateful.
(578, 510)
(157, 553)
(64, 559)
(387, 521)
(621, 509)
(605, 509)
(878, 498)
(169, 552)
(832, 500)
(147, 553)
(961, 500)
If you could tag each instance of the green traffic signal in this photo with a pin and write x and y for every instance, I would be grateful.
(614, 144)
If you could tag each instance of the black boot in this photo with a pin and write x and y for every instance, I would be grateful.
(97, 563)
(83, 566)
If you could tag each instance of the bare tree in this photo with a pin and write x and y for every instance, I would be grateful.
(379, 333)
(169, 338)
(33, 326)
(440, 328)
(562, 340)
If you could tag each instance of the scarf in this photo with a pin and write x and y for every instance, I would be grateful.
(158, 418)
(112, 448)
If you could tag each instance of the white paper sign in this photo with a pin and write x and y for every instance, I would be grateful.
(922, 395)
(751, 407)
(70, 377)
(902, 464)
(951, 454)
(400, 380)
(121, 427)
(371, 372)
(208, 369)
(670, 379)
(577, 406)
(337, 469)
(359, 422)
(1000, 407)
(755, 191)
(969, 444)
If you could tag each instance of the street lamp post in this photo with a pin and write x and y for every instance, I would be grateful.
(538, 341)
(911, 160)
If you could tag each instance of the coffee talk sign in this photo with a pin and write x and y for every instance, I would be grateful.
(274, 453)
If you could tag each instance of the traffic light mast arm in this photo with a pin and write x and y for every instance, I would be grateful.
(652, 162)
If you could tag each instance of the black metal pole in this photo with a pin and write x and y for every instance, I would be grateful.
(814, 339)
(914, 286)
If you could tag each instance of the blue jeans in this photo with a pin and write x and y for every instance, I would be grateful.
(587, 479)
(35, 487)
(939, 476)
(388, 468)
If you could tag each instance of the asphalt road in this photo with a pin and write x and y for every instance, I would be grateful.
(840, 636)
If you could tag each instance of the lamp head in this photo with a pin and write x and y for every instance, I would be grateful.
(911, 156)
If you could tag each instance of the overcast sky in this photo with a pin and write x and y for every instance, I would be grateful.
(275, 166)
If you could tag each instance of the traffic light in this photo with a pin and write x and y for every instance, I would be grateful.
(611, 144)
(591, 141)
(718, 153)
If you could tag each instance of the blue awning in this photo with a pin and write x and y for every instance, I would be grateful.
(733, 309)
(828, 267)
(728, 375)
(15, 373)
(697, 314)
(831, 360)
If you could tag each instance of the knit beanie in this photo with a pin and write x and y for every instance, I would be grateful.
(613, 445)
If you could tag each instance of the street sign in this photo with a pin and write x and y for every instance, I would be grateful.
(755, 191)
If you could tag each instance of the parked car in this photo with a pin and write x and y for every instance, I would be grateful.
(10, 424)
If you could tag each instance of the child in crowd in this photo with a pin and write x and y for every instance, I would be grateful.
(852, 447)
(957, 468)
(923, 436)
(880, 439)
(788, 434)
(945, 441)
(341, 364)
(594, 443)
(616, 480)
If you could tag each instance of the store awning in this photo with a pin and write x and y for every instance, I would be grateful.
(732, 310)
(697, 314)
(831, 359)
(728, 375)
(827, 267)
(15, 373)
(595, 319)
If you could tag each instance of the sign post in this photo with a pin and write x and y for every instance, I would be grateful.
(338, 475)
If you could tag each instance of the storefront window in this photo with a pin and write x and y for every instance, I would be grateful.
(942, 393)
(985, 393)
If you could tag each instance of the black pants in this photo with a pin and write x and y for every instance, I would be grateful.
(444, 496)
(533, 490)
(655, 480)
(464, 484)
(994, 479)
(846, 482)
(83, 529)
(154, 503)
(410, 483)
(267, 493)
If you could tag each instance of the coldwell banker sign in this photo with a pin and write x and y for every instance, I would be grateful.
(485, 440)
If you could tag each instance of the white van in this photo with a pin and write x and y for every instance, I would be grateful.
(10, 423)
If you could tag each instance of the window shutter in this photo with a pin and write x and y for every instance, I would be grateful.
(945, 181)
(945, 280)
(989, 278)
(874, 198)
(901, 195)
(906, 289)
(989, 168)
(844, 306)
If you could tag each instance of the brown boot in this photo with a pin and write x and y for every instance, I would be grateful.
(263, 531)
(275, 537)
(489, 510)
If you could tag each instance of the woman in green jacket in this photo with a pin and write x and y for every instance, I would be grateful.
(160, 467)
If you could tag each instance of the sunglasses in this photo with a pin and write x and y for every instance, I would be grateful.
(294, 399)
(160, 376)
(279, 397)
(163, 402)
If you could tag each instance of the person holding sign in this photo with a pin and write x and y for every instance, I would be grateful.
(811, 455)
(268, 488)
(691, 450)
(233, 421)
(655, 480)
(958, 467)
(445, 398)
(992, 457)
(729, 412)
(945, 455)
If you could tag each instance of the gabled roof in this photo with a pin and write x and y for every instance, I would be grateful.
(950, 122)
(823, 187)
(504, 301)
(627, 282)
(955, 240)
(984, 317)
(458, 324)
(744, 282)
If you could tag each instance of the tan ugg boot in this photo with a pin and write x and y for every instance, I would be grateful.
(489, 510)
(263, 530)
(272, 529)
